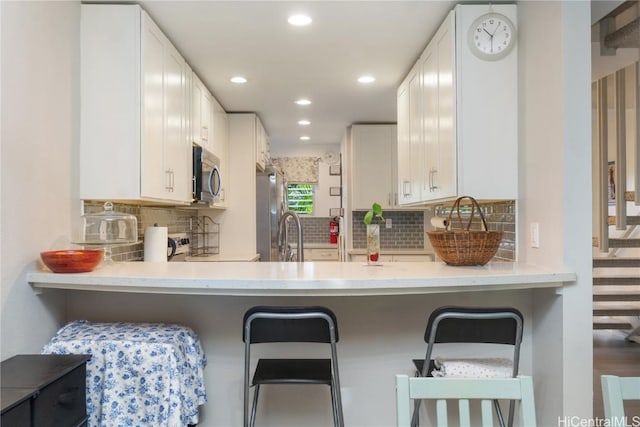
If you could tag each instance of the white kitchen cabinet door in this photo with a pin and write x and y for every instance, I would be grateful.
(177, 149)
(409, 140)
(373, 166)
(201, 111)
(134, 127)
(316, 254)
(439, 170)
(445, 177)
(155, 179)
(261, 145)
(165, 152)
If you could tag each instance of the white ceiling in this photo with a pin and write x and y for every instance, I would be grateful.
(220, 39)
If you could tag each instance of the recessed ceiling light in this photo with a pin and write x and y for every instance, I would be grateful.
(304, 122)
(304, 138)
(366, 79)
(238, 79)
(299, 20)
(303, 102)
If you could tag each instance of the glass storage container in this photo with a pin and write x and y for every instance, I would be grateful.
(108, 228)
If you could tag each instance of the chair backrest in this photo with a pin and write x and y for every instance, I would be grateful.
(491, 325)
(464, 389)
(453, 324)
(264, 324)
(615, 390)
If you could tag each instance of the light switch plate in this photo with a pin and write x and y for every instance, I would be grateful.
(535, 235)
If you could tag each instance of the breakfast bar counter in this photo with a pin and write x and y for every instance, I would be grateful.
(302, 279)
(381, 312)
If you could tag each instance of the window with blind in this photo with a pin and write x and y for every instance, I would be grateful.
(301, 198)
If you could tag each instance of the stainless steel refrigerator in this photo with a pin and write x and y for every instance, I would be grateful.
(271, 203)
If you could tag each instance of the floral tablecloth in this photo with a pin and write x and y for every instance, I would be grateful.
(140, 374)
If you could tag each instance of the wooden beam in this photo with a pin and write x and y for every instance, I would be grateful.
(621, 150)
(627, 36)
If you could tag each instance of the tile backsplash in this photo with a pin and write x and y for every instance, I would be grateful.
(315, 229)
(407, 231)
(177, 220)
(408, 227)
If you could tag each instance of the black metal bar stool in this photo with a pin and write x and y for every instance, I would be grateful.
(490, 325)
(291, 324)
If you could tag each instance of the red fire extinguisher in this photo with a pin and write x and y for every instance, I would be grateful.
(334, 228)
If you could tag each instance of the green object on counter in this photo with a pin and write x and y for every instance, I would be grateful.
(375, 212)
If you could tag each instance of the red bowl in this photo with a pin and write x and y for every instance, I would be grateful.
(72, 261)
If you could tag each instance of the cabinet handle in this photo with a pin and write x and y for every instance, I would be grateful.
(389, 199)
(435, 179)
(168, 176)
(433, 174)
(406, 188)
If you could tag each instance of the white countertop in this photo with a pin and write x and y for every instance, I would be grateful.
(308, 278)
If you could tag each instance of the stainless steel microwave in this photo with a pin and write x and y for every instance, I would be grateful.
(207, 180)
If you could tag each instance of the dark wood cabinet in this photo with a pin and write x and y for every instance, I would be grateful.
(44, 390)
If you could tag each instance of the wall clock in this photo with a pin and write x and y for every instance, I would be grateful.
(492, 36)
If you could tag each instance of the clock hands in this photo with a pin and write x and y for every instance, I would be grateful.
(495, 30)
(490, 36)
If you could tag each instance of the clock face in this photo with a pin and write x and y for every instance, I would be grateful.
(492, 36)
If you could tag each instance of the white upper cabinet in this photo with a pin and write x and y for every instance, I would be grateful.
(438, 112)
(201, 113)
(372, 161)
(457, 113)
(135, 121)
(409, 145)
(262, 146)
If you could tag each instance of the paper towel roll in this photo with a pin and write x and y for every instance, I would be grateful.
(155, 244)
(438, 222)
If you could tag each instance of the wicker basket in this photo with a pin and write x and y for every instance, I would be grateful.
(465, 247)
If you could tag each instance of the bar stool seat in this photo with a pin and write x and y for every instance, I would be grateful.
(141, 374)
(292, 371)
(263, 324)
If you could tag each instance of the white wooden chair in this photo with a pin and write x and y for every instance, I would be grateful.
(614, 391)
(464, 389)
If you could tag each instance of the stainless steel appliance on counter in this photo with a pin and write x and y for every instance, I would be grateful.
(271, 203)
(207, 181)
(179, 241)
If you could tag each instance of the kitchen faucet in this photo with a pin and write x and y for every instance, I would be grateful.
(284, 248)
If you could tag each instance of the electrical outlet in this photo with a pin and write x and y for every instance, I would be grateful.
(535, 235)
(388, 223)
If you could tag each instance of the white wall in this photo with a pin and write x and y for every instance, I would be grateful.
(555, 189)
(40, 116)
(324, 201)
